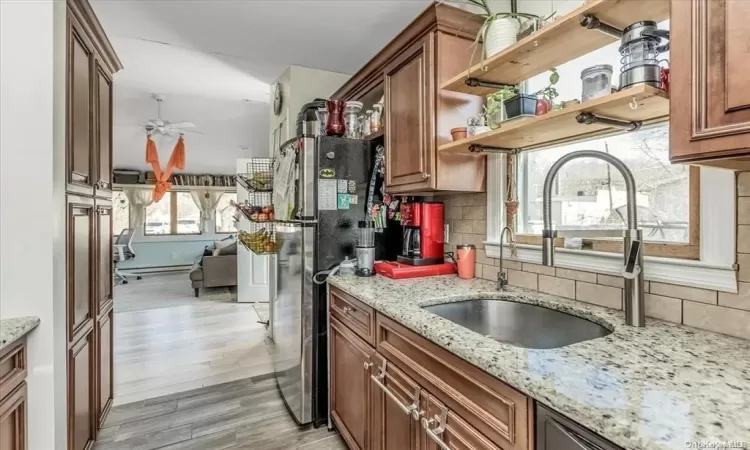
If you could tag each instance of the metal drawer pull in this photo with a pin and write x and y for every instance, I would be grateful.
(378, 379)
(348, 309)
(434, 433)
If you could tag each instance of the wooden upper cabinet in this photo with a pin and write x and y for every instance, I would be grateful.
(80, 266)
(80, 64)
(351, 363)
(103, 126)
(410, 118)
(710, 60)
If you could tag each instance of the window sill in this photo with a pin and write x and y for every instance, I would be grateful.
(663, 270)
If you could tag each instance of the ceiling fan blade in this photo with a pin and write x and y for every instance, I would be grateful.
(181, 125)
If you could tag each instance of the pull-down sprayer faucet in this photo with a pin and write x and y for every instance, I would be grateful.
(632, 270)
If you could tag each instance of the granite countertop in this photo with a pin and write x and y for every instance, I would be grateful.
(656, 387)
(14, 329)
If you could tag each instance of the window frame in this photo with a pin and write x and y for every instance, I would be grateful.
(217, 212)
(172, 219)
(714, 235)
(130, 213)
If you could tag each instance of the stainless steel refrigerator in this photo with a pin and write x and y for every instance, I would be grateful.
(331, 177)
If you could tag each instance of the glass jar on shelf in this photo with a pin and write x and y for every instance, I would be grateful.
(376, 122)
(364, 120)
(351, 119)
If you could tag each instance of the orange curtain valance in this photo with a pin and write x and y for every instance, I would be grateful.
(177, 160)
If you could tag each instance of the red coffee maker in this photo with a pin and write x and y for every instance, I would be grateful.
(423, 233)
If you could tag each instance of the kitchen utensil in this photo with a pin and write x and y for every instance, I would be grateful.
(640, 46)
(466, 258)
(596, 81)
(365, 249)
(423, 233)
(335, 123)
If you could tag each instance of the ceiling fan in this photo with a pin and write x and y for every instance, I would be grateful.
(161, 126)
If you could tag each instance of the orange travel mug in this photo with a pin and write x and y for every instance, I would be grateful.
(466, 258)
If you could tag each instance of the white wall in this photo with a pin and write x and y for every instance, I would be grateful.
(32, 201)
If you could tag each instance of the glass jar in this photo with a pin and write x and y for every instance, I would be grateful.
(351, 119)
(335, 123)
(365, 123)
(376, 123)
(596, 81)
(322, 115)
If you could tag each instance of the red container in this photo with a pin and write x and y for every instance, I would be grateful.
(399, 271)
(542, 106)
(335, 124)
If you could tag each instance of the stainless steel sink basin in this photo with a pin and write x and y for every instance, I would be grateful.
(520, 324)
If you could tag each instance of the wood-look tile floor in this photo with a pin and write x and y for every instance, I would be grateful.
(246, 414)
(168, 341)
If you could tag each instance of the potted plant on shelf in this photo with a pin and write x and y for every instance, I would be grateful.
(494, 107)
(499, 30)
(546, 96)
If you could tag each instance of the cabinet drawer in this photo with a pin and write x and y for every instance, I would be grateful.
(12, 367)
(443, 427)
(496, 410)
(359, 317)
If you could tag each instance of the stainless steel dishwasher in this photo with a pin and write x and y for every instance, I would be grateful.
(557, 432)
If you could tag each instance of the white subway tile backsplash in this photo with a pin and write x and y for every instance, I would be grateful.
(557, 286)
(474, 212)
(522, 279)
(684, 292)
(599, 295)
(743, 184)
(577, 275)
(733, 322)
(664, 308)
(743, 238)
(743, 210)
(743, 259)
(740, 300)
(538, 268)
(609, 280)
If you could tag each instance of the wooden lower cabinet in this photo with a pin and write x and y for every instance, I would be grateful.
(351, 361)
(105, 365)
(396, 402)
(81, 423)
(412, 395)
(13, 420)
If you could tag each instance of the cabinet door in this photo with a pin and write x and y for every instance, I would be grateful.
(410, 118)
(103, 126)
(351, 362)
(709, 60)
(395, 408)
(80, 267)
(80, 62)
(80, 377)
(104, 256)
(104, 366)
(443, 428)
(13, 420)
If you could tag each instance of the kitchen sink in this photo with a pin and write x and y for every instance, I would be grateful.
(520, 324)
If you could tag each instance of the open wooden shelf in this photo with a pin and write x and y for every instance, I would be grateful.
(373, 136)
(561, 125)
(562, 41)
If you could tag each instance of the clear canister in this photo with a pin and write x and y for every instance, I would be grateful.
(596, 81)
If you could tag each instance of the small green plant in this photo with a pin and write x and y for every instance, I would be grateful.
(496, 99)
(549, 93)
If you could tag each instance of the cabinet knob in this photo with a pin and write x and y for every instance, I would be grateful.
(425, 176)
(348, 309)
(367, 365)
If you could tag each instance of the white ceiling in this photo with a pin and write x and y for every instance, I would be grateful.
(208, 56)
